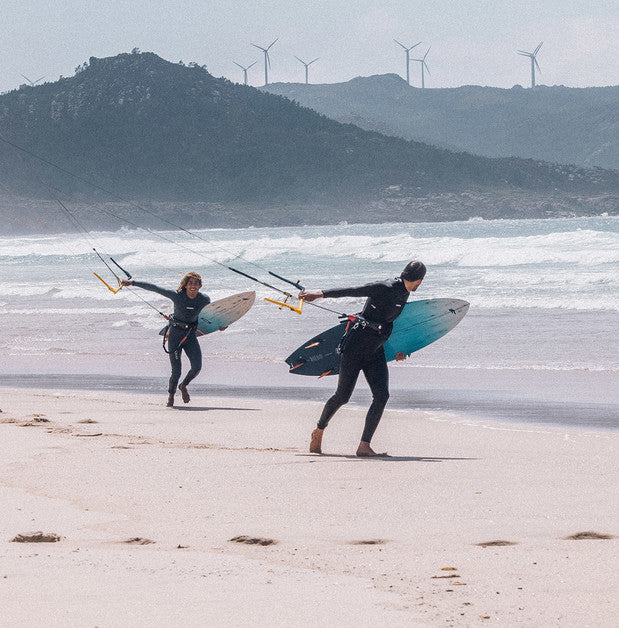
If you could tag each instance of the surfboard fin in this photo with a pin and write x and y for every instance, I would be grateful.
(298, 308)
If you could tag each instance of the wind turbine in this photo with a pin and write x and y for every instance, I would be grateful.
(423, 65)
(408, 59)
(267, 60)
(306, 67)
(32, 83)
(245, 70)
(534, 63)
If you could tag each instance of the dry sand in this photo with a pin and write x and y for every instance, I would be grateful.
(466, 524)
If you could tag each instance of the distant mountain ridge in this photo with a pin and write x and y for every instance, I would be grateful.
(149, 130)
(557, 124)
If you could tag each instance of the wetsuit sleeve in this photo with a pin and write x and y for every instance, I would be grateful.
(170, 294)
(369, 290)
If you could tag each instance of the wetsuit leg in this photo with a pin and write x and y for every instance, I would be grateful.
(174, 339)
(192, 348)
(350, 367)
(377, 375)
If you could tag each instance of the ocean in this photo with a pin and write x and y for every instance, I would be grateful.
(539, 343)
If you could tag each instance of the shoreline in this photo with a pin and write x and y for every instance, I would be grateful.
(493, 205)
(586, 401)
(165, 515)
(14, 228)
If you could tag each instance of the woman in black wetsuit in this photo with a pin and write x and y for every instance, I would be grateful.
(362, 348)
(188, 303)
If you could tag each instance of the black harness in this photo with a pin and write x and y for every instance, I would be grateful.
(187, 327)
(355, 321)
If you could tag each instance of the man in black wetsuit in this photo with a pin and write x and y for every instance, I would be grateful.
(188, 303)
(362, 348)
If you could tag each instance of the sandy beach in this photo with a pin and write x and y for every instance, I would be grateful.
(468, 522)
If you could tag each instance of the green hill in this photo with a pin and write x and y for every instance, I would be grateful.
(150, 130)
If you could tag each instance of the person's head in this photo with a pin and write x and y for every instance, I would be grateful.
(190, 284)
(413, 275)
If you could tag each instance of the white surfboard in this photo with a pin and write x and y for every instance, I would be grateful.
(223, 312)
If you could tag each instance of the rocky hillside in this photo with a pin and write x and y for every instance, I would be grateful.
(149, 130)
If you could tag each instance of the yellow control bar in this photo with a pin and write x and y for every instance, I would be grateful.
(298, 309)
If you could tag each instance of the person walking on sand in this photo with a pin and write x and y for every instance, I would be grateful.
(362, 348)
(188, 303)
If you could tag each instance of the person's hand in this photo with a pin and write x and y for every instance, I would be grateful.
(399, 356)
(306, 295)
(126, 282)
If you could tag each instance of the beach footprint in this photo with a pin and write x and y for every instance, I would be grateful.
(588, 536)
(138, 540)
(252, 540)
(498, 543)
(37, 537)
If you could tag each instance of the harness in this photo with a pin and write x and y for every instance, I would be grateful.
(187, 327)
(356, 321)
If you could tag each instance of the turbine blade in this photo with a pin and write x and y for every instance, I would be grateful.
(427, 68)
(399, 44)
(29, 81)
(415, 46)
(537, 49)
(249, 66)
(261, 48)
(427, 51)
(272, 43)
(312, 61)
(240, 66)
(537, 64)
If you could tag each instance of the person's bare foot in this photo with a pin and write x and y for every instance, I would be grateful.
(365, 451)
(316, 441)
(184, 393)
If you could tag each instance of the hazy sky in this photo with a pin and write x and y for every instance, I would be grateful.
(472, 41)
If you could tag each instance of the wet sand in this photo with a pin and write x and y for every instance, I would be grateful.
(577, 398)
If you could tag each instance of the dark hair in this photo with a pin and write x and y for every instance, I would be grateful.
(414, 270)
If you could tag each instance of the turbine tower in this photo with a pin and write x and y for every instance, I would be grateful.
(534, 63)
(32, 83)
(245, 70)
(424, 65)
(267, 60)
(306, 67)
(408, 58)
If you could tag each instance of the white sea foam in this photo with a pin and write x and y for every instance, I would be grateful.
(491, 264)
(558, 275)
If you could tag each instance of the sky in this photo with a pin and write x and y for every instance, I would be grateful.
(471, 42)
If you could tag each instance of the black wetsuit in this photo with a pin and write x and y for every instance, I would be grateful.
(182, 332)
(362, 349)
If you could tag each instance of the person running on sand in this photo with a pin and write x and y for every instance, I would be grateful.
(188, 303)
(362, 348)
